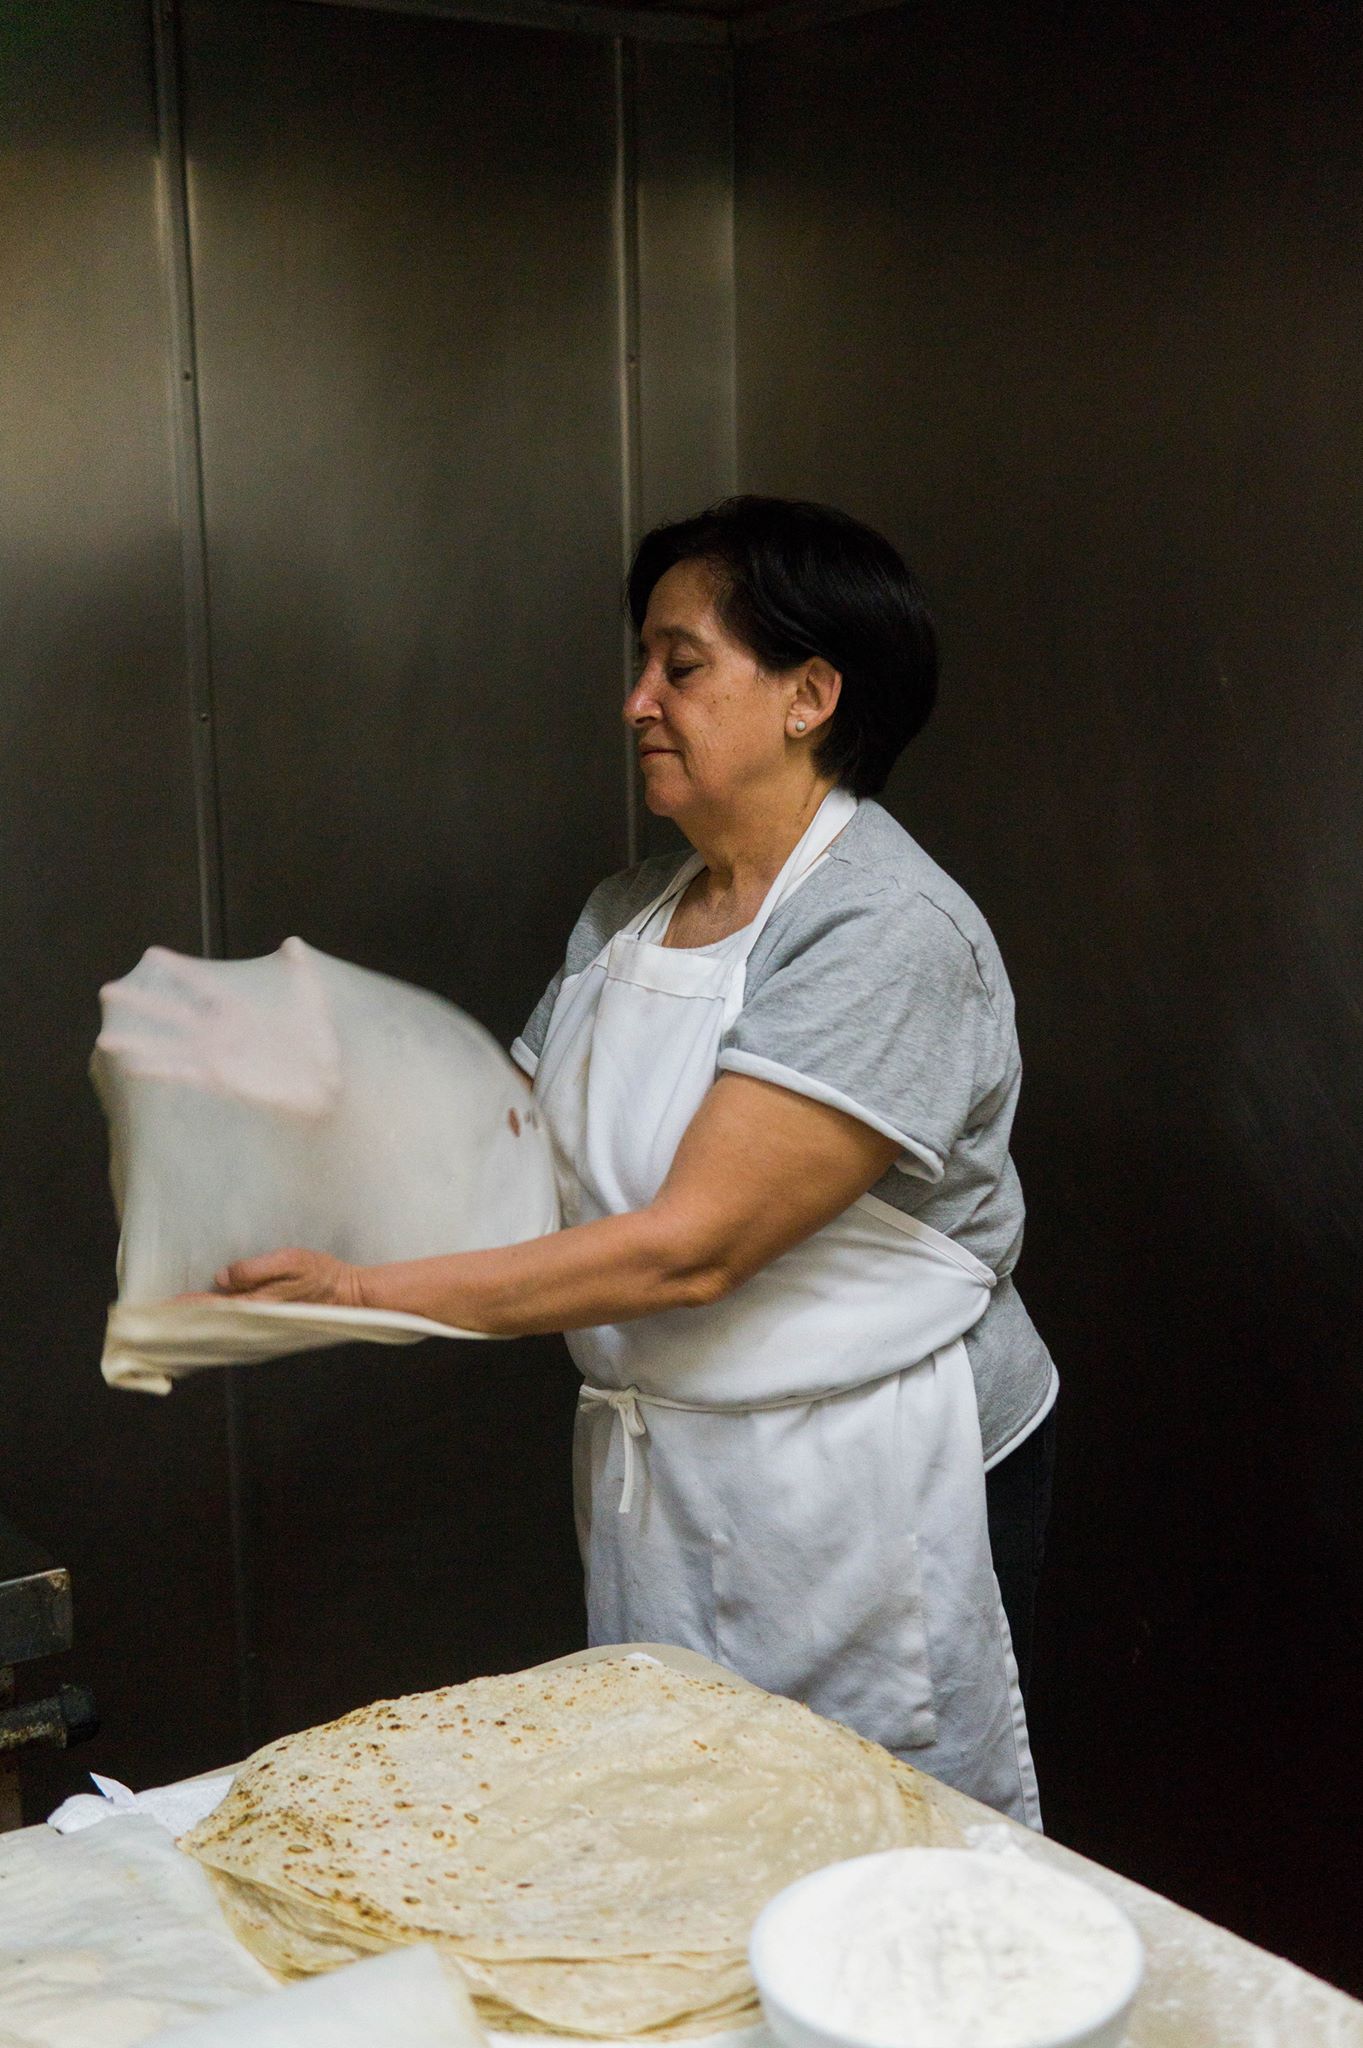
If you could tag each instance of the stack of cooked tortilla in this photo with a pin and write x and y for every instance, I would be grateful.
(591, 1843)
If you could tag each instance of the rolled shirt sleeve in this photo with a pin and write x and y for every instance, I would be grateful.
(879, 1008)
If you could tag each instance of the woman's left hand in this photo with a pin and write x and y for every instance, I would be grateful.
(293, 1275)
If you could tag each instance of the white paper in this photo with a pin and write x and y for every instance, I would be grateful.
(108, 1936)
(177, 1807)
(408, 1999)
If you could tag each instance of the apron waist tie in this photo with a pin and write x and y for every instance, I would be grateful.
(626, 1403)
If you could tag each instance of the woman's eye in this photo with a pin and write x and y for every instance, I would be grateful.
(676, 673)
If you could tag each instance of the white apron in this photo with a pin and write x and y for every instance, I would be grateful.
(789, 1481)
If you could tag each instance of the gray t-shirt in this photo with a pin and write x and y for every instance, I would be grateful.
(877, 987)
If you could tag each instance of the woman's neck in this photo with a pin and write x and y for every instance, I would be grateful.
(745, 852)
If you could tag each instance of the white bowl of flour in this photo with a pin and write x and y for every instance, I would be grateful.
(944, 1948)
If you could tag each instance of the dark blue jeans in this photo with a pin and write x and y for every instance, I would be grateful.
(1018, 1497)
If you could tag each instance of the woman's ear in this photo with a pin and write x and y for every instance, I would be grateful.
(817, 690)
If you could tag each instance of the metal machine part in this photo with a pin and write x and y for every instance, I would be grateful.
(67, 1716)
(35, 1621)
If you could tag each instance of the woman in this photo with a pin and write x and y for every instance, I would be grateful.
(780, 1076)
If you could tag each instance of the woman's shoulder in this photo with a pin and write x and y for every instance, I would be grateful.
(887, 892)
(615, 901)
(879, 853)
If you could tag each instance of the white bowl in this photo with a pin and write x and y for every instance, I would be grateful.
(815, 1920)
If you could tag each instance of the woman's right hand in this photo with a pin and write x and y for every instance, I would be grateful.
(293, 1275)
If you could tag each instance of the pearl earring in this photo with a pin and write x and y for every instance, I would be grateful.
(799, 725)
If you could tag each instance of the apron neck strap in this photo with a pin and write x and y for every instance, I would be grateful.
(685, 875)
(833, 816)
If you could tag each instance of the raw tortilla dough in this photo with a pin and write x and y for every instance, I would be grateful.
(591, 1843)
(297, 1100)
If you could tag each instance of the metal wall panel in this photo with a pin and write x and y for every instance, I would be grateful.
(682, 105)
(97, 858)
(407, 315)
(684, 172)
(1071, 303)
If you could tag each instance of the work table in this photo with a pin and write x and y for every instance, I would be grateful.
(1203, 1988)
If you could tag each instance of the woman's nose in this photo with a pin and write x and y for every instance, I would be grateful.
(641, 707)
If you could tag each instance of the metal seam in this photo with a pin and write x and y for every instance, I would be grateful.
(174, 206)
(731, 187)
(627, 343)
(173, 202)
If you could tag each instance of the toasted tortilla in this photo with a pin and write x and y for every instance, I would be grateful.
(591, 1843)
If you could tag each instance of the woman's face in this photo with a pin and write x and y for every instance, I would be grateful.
(710, 725)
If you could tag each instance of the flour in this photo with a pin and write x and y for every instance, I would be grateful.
(942, 1949)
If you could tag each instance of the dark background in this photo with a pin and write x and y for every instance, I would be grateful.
(1089, 282)
(1069, 300)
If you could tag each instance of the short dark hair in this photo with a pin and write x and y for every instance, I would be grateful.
(795, 580)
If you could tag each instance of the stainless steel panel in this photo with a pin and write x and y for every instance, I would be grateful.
(1071, 304)
(405, 295)
(684, 171)
(682, 162)
(97, 858)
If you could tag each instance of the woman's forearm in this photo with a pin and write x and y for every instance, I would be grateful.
(758, 1170)
(604, 1272)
